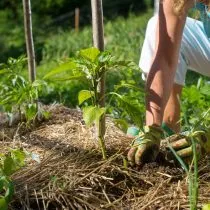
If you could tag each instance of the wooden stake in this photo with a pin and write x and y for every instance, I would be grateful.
(98, 41)
(77, 18)
(97, 24)
(29, 39)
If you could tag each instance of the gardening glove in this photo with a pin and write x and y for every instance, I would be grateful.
(145, 147)
(183, 146)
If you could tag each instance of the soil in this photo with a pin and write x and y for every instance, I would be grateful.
(69, 173)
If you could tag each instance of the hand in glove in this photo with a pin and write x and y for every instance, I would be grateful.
(145, 146)
(183, 146)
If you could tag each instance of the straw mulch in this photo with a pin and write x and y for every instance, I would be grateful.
(72, 175)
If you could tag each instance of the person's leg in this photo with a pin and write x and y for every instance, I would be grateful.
(171, 115)
(196, 54)
(196, 47)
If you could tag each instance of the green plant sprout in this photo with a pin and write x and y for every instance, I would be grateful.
(88, 66)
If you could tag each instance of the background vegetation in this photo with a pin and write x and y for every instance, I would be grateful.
(50, 17)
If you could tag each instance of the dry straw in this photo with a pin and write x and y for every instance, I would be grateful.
(72, 174)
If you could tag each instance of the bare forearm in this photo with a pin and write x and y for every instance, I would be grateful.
(161, 77)
(159, 84)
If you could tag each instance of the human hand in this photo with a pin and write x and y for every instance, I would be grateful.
(145, 147)
(182, 144)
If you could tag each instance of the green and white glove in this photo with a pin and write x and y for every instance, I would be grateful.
(145, 147)
(183, 146)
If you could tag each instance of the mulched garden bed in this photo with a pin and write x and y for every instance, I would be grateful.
(72, 175)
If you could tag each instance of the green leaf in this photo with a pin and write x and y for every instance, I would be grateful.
(61, 69)
(18, 156)
(9, 166)
(46, 114)
(92, 114)
(90, 53)
(130, 86)
(30, 112)
(9, 192)
(104, 57)
(38, 83)
(67, 78)
(4, 71)
(122, 124)
(7, 187)
(1, 184)
(205, 90)
(3, 203)
(13, 161)
(132, 108)
(206, 207)
(84, 95)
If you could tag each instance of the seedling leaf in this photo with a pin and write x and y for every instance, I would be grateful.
(60, 69)
(90, 54)
(84, 95)
(92, 114)
(9, 166)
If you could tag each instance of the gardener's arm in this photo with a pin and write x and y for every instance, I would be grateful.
(161, 77)
(160, 81)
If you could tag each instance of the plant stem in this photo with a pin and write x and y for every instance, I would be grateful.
(102, 146)
(98, 40)
(195, 177)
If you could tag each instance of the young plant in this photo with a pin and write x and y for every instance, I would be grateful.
(89, 65)
(9, 164)
(18, 96)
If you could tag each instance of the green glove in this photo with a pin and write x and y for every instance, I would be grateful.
(183, 146)
(145, 147)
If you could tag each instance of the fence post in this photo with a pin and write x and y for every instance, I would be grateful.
(77, 19)
(29, 39)
(98, 41)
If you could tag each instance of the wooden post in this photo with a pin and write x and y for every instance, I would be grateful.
(29, 39)
(97, 24)
(77, 17)
(98, 41)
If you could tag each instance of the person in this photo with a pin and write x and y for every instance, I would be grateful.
(173, 44)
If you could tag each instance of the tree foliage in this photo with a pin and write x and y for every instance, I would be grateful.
(49, 16)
